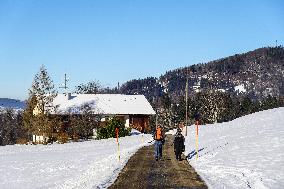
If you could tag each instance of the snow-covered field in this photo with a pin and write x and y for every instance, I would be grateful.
(90, 164)
(245, 153)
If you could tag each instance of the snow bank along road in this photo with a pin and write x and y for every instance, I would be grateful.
(245, 153)
(74, 165)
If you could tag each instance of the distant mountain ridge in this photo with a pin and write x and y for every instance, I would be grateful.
(256, 74)
(12, 103)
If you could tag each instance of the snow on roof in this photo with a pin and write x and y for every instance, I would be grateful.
(104, 103)
(240, 88)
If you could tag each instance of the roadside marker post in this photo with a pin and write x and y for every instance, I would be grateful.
(197, 123)
(197, 118)
(118, 151)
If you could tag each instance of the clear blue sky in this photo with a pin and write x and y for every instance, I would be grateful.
(115, 41)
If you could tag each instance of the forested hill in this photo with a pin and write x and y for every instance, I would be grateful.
(256, 74)
(12, 104)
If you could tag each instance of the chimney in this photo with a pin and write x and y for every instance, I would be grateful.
(68, 96)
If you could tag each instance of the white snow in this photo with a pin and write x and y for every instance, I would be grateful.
(240, 88)
(90, 164)
(104, 103)
(221, 90)
(245, 153)
(171, 132)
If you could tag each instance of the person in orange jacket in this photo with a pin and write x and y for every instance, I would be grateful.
(159, 137)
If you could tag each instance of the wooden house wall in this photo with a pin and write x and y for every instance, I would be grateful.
(140, 122)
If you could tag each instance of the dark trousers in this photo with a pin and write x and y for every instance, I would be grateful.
(178, 154)
(158, 149)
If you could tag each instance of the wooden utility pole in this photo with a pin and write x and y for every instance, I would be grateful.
(186, 101)
(156, 118)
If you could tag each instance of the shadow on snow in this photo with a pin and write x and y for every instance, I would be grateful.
(193, 153)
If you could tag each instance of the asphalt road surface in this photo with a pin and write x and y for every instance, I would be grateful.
(143, 171)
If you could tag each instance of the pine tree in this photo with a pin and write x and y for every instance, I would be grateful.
(10, 127)
(270, 102)
(213, 106)
(246, 106)
(28, 116)
(43, 89)
(92, 87)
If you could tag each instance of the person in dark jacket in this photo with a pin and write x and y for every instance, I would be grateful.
(179, 144)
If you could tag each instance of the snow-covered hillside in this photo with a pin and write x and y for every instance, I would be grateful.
(91, 164)
(12, 103)
(245, 153)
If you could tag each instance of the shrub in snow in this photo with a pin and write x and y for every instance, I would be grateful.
(22, 141)
(109, 130)
(62, 138)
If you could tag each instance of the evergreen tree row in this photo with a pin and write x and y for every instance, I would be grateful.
(11, 127)
(212, 107)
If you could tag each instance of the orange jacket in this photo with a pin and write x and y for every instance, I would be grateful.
(159, 134)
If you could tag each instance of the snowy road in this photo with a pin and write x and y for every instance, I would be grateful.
(143, 171)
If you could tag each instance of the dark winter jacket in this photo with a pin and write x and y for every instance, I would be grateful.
(179, 142)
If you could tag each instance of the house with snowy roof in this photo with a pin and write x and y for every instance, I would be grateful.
(135, 110)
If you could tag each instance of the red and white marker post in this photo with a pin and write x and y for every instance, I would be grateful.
(196, 142)
(118, 151)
